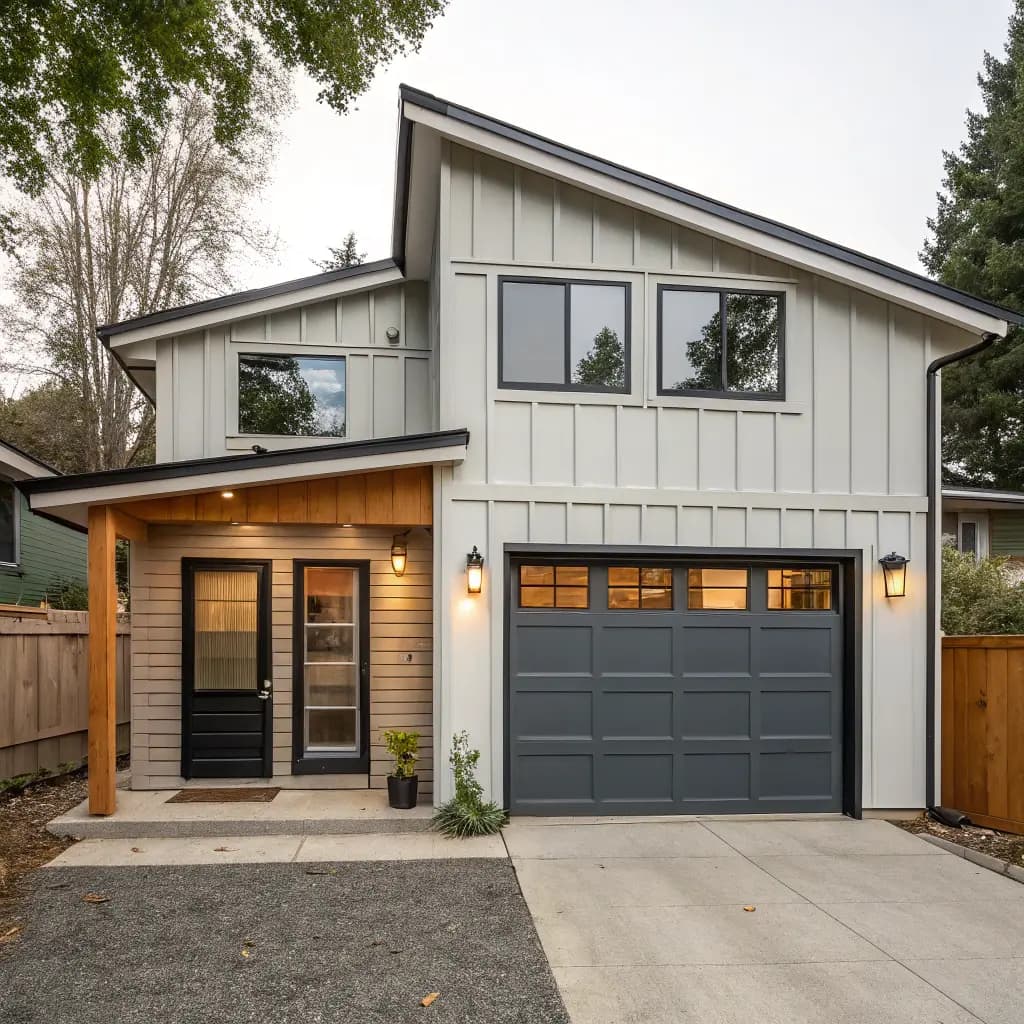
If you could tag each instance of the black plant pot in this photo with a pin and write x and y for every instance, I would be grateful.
(402, 792)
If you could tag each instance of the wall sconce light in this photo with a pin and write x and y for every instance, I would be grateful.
(474, 571)
(399, 553)
(894, 569)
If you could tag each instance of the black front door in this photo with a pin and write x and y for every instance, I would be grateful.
(226, 714)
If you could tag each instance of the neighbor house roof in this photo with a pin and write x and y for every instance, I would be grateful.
(19, 465)
(982, 495)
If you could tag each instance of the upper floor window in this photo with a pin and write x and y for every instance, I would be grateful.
(8, 524)
(297, 396)
(563, 335)
(720, 342)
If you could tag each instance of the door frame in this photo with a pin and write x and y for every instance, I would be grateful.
(264, 660)
(850, 594)
(335, 764)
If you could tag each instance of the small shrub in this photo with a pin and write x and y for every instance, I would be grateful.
(466, 814)
(68, 595)
(979, 596)
(404, 748)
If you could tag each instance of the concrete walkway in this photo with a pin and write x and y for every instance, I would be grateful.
(769, 922)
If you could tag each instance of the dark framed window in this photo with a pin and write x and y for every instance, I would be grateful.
(800, 589)
(554, 586)
(561, 335)
(8, 524)
(639, 587)
(718, 589)
(291, 395)
(724, 342)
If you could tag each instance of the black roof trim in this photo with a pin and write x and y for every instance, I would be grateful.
(701, 202)
(25, 455)
(237, 298)
(222, 463)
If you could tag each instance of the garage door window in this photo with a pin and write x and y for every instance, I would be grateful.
(800, 589)
(718, 589)
(636, 587)
(554, 586)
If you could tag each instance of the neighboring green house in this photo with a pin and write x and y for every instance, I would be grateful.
(37, 555)
(984, 521)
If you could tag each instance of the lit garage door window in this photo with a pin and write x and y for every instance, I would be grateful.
(554, 586)
(635, 587)
(719, 589)
(800, 589)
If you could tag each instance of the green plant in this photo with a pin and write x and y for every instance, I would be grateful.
(68, 595)
(466, 814)
(403, 747)
(979, 597)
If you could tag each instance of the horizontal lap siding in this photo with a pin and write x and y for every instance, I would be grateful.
(401, 624)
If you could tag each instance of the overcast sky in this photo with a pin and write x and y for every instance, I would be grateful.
(829, 116)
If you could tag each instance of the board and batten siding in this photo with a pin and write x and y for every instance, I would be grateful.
(387, 384)
(839, 463)
(401, 641)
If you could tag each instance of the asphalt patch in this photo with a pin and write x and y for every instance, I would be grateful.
(278, 943)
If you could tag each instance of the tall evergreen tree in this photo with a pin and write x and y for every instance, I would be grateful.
(604, 364)
(343, 258)
(977, 244)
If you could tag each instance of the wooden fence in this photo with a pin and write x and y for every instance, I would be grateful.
(983, 729)
(44, 692)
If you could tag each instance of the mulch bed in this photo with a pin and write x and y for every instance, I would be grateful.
(1004, 845)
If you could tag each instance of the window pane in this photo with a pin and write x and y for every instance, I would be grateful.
(571, 597)
(532, 332)
(226, 655)
(656, 597)
(733, 599)
(597, 333)
(718, 577)
(752, 342)
(333, 729)
(298, 396)
(330, 643)
(968, 538)
(623, 597)
(8, 509)
(537, 597)
(656, 577)
(533, 574)
(691, 341)
(800, 589)
(622, 576)
(572, 575)
(331, 686)
(329, 596)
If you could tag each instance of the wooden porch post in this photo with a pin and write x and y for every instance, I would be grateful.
(102, 661)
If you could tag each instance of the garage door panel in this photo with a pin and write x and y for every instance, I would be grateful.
(721, 777)
(715, 714)
(635, 650)
(555, 778)
(790, 714)
(555, 714)
(554, 650)
(793, 650)
(795, 775)
(636, 778)
(635, 714)
(715, 650)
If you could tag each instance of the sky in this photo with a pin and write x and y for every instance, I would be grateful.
(828, 116)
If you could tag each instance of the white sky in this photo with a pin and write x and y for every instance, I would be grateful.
(829, 116)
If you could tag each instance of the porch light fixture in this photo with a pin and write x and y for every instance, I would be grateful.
(474, 571)
(399, 553)
(894, 569)
(227, 494)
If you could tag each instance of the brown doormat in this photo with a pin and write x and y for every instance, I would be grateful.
(226, 795)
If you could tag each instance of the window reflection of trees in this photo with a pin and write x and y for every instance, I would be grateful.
(274, 398)
(605, 364)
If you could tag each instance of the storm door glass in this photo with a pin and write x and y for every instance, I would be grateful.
(330, 662)
(226, 635)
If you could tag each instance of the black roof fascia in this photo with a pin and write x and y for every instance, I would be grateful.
(745, 218)
(224, 463)
(403, 170)
(237, 298)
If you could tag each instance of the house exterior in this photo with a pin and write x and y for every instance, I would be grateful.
(679, 435)
(984, 522)
(37, 555)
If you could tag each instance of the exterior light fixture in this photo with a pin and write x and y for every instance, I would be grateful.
(894, 569)
(474, 571)
(399, 553)
(227, 494)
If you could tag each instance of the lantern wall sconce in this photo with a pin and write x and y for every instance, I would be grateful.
(894, 569)
(399, 553)
(474, 571)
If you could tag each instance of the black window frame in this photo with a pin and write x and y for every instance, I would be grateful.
(724, 392)
(831, 587)
(14, 565)
(566, 283)
(342, 356)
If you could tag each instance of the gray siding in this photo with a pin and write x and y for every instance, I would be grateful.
(1006, 533)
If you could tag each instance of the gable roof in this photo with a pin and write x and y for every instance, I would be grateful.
(20, 465)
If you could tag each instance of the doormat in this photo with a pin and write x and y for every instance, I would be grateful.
(226, 795)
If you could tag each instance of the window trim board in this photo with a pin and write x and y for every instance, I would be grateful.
(16, 508)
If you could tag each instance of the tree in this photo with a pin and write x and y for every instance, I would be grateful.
(979, 596)
(605, 364)
(47, 421)
(94, 83)
(341, 259)
(977, 244)
(131, 241)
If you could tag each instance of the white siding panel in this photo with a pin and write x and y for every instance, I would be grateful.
(190, 427)
(755, 447)
(653, 247)
(388, 396)
(321, 324)
(677, 448)
(358, 391)
(387, 312)
(731, 528)
(692, 251)
(574, 225)
(460, 230)
(798, 528)
(613, 233)
(794, 444)
(253, 329)
(355, 320)
(417, 395)
(638, 447)
(623, 524)
(831, 388)
(467, 368)
(731, 260)
(717, 450)
(534, 228)
(511, 520)
(869, 385)
(586, 524)
(695, 526)
(492, 217)
(285, 328)
(416, 313)
(907, 427)
(659, 524)
(595, 445)
(510, 442)
(548, 522)
(552, 444)
(829, 528)
(764, 528)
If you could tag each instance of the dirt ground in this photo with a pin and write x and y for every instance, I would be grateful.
(1003, 845)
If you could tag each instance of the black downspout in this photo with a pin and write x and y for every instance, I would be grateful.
(934, 512)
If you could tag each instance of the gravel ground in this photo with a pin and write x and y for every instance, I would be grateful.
(1003, 845)
(281, 943)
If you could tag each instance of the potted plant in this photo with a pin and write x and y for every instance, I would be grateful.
(402, 782)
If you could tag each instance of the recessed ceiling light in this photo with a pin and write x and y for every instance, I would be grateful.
(227, 494)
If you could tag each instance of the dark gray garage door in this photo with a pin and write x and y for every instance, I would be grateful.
(653, 687)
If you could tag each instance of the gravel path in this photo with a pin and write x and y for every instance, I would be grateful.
(346, 942)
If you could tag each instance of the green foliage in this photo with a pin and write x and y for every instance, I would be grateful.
(341, 259)
(47, 421)
(977, 244)
(605, 364)
(96, 79)
(68, 595)
(274, 399)
(466, 814)
(403, 747)
(979, 596)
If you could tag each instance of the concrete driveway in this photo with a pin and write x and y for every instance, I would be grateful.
(851, 922)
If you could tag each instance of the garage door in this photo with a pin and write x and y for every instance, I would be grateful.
(667, 688)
